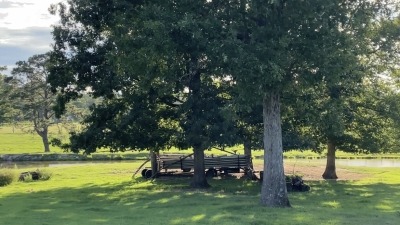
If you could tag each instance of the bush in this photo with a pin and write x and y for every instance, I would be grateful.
(44, 175)
(6, 177)
(35, 175)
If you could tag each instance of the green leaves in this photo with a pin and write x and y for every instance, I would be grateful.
(172, 61)
(150, 61)
(5, 92)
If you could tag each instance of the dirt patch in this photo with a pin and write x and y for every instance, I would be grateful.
(315, 172)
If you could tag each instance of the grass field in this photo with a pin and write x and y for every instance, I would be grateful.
(106, 194)
(15, 141)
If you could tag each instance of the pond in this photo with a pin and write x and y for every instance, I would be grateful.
(369, 162)
(355, 162)
(339, 162)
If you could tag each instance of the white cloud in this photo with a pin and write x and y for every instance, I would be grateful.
(34, 39)
(25, 29)
(30, 37)
(26, 13)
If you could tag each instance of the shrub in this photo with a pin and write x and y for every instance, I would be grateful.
(35, 175)
(6, 177)
(44, 175)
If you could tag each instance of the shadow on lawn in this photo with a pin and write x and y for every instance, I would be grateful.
(378, 196)
(229, 201)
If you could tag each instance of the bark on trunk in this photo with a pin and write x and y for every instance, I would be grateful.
(330, 169)
(153, 161)
(199, 177)
(45, 139)
(273, 190)
(197, 121)
(247, 151)
(46, 143)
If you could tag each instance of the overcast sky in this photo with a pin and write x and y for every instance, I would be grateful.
(25, 29)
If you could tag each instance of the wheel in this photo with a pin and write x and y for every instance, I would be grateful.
(211, 173)
(186, 170)
(148, 174)
(144, 172)
(305, 187)
(35, 175)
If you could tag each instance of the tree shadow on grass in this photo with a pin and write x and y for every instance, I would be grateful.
(229, 201)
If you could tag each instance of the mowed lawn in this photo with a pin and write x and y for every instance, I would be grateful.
(107, 194)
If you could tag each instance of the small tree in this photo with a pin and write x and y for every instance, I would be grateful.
(5, 103)
(32, 95)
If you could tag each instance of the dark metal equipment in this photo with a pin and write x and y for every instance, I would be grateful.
(214, 165)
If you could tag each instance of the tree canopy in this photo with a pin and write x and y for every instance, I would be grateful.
(148, 60)
(169, 70)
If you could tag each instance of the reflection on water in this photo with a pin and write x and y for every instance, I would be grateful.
(369, 162)
(356, 162)
(339, 162)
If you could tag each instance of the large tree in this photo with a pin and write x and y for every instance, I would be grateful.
(131, 114)
(143, 58)
(280, 47)
(261, 58)
(32, 95)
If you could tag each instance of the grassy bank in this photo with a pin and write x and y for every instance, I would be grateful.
(106, 194)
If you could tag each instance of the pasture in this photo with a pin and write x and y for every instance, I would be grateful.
(14, 140)
(107, 194)
(19, 140)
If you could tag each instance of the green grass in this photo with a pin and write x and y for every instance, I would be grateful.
(106, 194)
(16, 141)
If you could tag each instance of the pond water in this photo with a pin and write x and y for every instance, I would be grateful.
(357, 162)
(339, 162)
(369, 162)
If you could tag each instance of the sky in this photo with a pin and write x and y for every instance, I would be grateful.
(25, 29)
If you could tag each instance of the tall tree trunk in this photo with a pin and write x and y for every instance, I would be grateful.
(199, 177)
(197, 121)
(330, 169)
(247, 151)
(273, 190)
